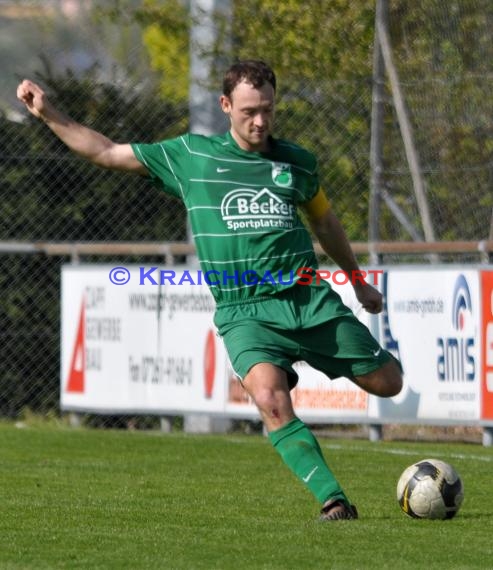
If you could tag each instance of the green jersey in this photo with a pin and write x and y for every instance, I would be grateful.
(242, 208)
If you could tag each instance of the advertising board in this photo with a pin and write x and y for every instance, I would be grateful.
(139, 346)
(431, 323)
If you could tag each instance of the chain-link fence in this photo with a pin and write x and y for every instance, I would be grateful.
(109, 73)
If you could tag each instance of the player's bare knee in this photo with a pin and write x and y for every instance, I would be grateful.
(271, 401)
(264, 399)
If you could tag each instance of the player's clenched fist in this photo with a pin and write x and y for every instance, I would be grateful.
(33, 97)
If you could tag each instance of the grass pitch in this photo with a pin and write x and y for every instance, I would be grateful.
(112, 499)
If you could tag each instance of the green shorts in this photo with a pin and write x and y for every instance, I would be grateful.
(302, 323)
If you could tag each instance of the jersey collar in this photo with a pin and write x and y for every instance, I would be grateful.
(272, 145)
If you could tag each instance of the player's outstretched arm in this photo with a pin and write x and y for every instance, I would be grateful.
(334, 242)
(86, 142)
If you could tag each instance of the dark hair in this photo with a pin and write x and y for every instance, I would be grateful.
(255, 72)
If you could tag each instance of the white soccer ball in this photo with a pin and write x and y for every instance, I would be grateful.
(430, 489)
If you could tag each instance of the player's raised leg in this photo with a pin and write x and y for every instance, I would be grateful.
(293, 440)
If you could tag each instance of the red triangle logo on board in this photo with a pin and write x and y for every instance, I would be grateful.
(76, 375)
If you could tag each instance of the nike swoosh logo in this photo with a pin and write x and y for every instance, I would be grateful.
(223, 170)
(377, 352)
(310, 475)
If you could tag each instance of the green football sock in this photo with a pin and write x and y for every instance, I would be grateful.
(301, 452)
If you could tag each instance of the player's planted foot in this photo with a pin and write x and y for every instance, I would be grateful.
(337, 510)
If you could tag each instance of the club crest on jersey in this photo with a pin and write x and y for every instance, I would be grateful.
(281, 174)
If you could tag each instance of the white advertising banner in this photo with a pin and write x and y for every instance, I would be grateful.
(138, 348)
(432, 322)
(132, 345)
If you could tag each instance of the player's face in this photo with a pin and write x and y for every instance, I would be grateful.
(251, 112)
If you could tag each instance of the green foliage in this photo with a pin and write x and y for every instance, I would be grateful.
(29, 334)
(166, 38)
(443, 53)
(165, 29)
(54, 194)
(310, 43)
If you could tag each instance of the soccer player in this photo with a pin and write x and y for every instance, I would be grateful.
(243, 191)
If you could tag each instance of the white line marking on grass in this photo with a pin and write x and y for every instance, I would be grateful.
(397, 451)
(389, 450)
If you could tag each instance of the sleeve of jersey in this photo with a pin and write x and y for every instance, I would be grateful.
(316, 203)
(317, 206)
(164, 162)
